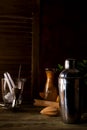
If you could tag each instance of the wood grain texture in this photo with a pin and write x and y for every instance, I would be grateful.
(16, 40)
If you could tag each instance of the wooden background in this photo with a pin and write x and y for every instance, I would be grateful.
(62, 34)
(16, 40)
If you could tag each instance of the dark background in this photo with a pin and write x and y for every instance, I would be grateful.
(63, 33)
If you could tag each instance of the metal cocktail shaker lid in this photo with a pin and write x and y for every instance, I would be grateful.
(70, 63)
(70, 69)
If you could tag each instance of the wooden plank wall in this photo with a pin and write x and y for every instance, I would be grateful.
(16, 40)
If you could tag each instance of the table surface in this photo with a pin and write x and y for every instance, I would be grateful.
(29, 117)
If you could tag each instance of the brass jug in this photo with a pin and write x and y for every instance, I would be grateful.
(50, 88)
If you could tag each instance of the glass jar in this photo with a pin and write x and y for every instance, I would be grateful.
(69, 92)
(12, 96)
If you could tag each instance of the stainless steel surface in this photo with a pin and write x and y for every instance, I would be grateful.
(69, 92)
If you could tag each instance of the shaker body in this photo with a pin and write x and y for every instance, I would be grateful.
(69, 93)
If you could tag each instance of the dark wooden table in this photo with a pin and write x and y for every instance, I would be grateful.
(29, 118)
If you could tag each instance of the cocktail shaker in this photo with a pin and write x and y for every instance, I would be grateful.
(69, 92)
